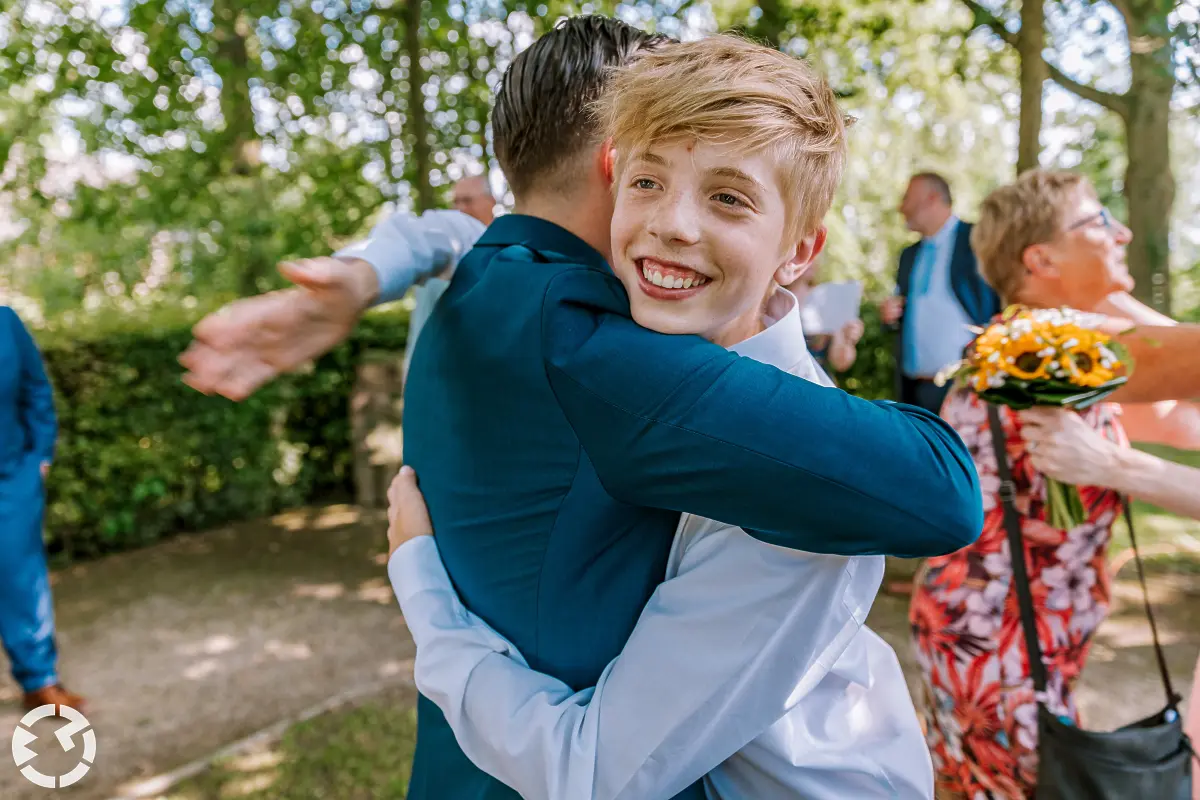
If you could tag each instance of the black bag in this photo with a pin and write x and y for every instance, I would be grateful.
(1148, 760)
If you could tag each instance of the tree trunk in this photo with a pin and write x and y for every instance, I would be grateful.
(1149, 184)
(1030, 42)
(417, 121)
(230, 30)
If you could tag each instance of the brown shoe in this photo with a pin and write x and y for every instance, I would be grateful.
(57, 695)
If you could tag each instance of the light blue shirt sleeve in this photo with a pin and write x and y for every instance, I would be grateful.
(405, 249)
(720, 653)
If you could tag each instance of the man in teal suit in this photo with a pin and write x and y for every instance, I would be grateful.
(557, 441)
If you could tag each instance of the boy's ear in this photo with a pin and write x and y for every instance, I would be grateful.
(806, 252)
(609, 154)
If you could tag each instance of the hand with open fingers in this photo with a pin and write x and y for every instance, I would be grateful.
(1064, 447)
(408, 516)
(250, 342)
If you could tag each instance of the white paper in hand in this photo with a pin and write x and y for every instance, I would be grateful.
(829, 306)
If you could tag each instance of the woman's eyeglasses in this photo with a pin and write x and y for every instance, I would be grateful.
(1104, 215)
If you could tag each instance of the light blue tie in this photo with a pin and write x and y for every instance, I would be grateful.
(918, 285)
(922, 267)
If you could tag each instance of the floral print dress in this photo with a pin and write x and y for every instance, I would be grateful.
(977, 703)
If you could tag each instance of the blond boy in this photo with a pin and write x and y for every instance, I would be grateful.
(750, 666)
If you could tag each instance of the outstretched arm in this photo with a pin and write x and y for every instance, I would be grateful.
(720, 653)
(36, 396)
(679, 423)
(250, 342)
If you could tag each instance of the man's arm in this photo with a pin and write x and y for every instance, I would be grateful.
(679, 423)
(720, 653)
(1164, 363)
(404, 249)
(36, 396)
(252, 341)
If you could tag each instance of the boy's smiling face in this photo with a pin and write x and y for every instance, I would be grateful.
(700, 237)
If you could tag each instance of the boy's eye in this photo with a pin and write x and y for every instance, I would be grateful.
(727, 199)
(645, 183)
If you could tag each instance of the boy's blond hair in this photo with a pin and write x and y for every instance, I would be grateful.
(1017, 216)
(729, 90)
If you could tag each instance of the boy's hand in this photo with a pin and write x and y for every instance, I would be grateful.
(408, 516)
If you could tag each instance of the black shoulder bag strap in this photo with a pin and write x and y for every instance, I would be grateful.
(1012, 525)
(1016, 549)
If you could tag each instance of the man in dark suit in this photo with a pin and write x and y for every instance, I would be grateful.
(557, 440)
(939, 292)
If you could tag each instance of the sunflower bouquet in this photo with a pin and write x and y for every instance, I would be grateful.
(1043, 357)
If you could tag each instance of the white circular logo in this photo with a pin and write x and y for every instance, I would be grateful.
(77, 723)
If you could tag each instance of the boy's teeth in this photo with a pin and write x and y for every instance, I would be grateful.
(671, 281)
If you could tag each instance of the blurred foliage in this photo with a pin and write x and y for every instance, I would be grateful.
(141, 456)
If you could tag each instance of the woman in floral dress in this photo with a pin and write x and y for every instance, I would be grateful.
(1044, 241)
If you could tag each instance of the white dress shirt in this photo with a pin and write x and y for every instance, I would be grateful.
(936, 326)
(405, 250)
(749, 667)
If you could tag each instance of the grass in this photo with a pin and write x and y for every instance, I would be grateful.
(354, 753)
(1168, 542)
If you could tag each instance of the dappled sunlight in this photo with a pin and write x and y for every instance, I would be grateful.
(202, 669)
(212, 645)
(244, 787)
(1134, 632)
(318, 519)
(376, 590)
(319, 591)
(336, 517)
(390, 669)
(288, 651)
(251, 762)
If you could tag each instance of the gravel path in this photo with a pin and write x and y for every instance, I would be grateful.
(192, 644)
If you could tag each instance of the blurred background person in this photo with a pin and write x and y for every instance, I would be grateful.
(1044, 242)
(835, 352)
(939, 292)
(473, 197)
(28, 430)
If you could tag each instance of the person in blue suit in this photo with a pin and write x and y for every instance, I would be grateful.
(940, 292)
(28, 430)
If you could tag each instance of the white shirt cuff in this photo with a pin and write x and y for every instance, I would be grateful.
(417, 567)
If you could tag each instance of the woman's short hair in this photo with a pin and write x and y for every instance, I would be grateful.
(1015, 217)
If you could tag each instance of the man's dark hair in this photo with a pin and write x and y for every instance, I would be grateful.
(542, 116)
(940, 185)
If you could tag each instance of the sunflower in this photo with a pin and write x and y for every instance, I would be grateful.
(1085, 357)
(1026, 356)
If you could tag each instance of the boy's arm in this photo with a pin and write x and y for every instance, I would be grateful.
(36, 396)
(719, 654)
(679, 423)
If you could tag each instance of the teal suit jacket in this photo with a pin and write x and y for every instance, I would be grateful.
(556, 442)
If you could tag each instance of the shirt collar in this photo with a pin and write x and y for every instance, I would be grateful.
(944, 233)
(781, 343)
(542, 236)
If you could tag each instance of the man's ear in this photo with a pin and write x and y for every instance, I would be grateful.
(806, 252)
(609, 155)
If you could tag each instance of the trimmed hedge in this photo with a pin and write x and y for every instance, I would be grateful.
(142, 456)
